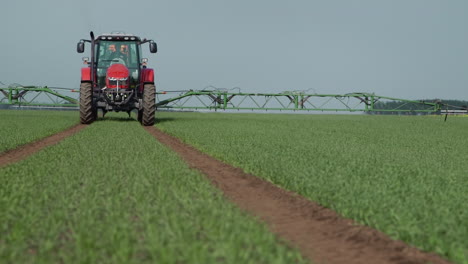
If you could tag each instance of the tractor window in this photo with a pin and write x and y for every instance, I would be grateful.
(111, 52)
(133, 56)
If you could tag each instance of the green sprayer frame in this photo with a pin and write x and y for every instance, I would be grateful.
(225, 99)
(16, 95)
(292, 101)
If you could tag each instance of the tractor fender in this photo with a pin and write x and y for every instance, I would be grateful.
(85, 74)
(147, 75)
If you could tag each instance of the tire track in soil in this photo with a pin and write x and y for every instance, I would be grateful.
(319, 233)
(14, 155)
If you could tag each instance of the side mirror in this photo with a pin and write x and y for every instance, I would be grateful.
(80, 47)
(153, 47)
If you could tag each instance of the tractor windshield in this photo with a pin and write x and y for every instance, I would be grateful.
(112, 52)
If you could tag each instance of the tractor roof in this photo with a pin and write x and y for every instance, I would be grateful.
(118, 36)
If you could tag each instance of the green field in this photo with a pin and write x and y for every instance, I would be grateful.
(404, 175)
(19, 127)
(113, 194)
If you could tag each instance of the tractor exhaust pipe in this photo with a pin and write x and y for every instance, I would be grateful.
(92, 56)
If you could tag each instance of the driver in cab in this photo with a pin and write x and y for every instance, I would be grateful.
(118, 53)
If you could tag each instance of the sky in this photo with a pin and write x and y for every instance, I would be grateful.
(411, 49)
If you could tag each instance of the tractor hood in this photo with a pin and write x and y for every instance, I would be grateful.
(117, 76)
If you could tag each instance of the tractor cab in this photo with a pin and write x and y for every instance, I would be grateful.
(126, 53)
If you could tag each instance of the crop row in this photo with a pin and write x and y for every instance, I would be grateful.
(406, 176)
(113, 194)
(21, 127)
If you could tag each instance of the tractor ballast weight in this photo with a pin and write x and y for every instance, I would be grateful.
(116, 77)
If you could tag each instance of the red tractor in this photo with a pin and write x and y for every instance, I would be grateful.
(116, 78)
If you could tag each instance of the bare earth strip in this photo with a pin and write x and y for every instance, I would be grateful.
(15, 155)
(319, 233)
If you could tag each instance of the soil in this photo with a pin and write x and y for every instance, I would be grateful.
(319, 233)
(15, 155)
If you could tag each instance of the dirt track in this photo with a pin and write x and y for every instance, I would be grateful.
(319, 233)
(24, 151)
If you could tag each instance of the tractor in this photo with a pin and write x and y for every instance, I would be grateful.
(116, 78)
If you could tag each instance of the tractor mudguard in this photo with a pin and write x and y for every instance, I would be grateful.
(147, 75)
(85, 74)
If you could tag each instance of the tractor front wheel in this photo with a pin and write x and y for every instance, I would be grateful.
(146, 114)
(87, 110)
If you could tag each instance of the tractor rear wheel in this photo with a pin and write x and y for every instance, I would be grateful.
(146, 115)
(87, 110)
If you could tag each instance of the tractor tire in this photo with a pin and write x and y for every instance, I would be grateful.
(87, 110)
(146, 114)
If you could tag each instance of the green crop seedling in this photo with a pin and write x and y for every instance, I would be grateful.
(404, 175)
(113, 194)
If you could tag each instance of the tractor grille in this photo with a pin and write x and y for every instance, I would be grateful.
(116, 83)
